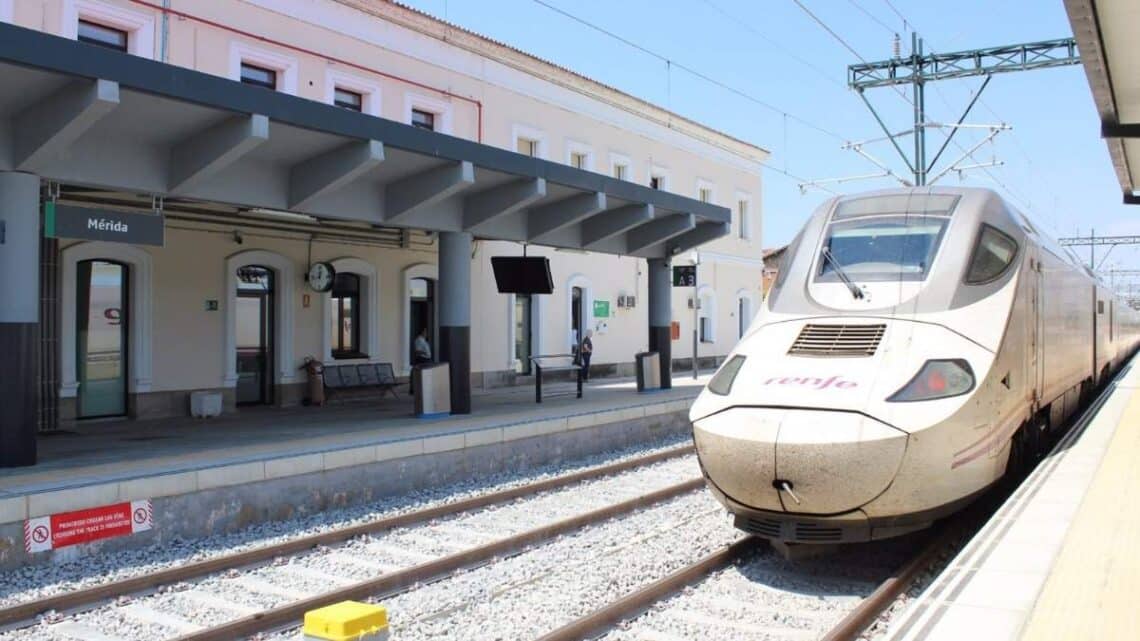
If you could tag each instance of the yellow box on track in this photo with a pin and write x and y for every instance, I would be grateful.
(347, 621)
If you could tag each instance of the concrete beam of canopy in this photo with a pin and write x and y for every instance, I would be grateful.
(404, 197)
(547, 219)
(206, 153)
(704, 233)
(485, 206)
(611, 223)
(658, 231)
(47, 128)
(323, 174)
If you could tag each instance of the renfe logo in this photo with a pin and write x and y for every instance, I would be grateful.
(812, 382)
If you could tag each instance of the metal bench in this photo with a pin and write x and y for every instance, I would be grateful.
(353, 376)
(554, 363)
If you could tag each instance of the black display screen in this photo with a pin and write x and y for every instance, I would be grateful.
(522, 274)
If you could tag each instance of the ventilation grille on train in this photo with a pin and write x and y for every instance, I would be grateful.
(801, 531)
(813, 533)
(767, 528)
(838, 340)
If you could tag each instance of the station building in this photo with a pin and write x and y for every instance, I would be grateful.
(211, 152)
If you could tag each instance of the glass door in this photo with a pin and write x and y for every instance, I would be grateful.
(101, 338)
(523, 304)
(254, 335)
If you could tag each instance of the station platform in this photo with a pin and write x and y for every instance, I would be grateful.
(204, 476)
(1060, 559)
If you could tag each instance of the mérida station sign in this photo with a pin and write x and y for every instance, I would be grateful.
(90, 223)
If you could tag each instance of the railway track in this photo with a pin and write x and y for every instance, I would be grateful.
(730, 590)
(740, 588)
(406, 548)
(534, 551)
(743, 591)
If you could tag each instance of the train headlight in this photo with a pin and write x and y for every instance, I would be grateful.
(721, 382)
(937, 379)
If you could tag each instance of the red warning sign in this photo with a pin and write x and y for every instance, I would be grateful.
(83, 526)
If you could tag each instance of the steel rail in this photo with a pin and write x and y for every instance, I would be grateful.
(634, 603)
(401, 580)
(11, 616)
(855, 623)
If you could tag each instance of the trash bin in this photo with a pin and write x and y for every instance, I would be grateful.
(431, 383)
(316, 375)
(648, 371)
(205, 404)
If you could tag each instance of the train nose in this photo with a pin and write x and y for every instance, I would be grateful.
(803, 461)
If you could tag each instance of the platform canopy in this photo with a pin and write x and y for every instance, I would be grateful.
(79, 114)
(1110, 52)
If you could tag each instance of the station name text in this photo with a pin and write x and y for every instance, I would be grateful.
(102, 224)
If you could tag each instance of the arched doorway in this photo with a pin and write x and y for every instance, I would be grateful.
(102, 323)
(523, 319)
(579, 308)
(351, 315)
(421, 315)
(135, 315)
(254, 335)
(282, 370)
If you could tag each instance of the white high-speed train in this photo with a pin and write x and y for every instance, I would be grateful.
(916, 344)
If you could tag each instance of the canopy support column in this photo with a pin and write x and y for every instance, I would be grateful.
(19, 316)
(660, 302)
(455, 315)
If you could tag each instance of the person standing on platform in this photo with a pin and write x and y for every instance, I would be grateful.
(421, 353)
(585, 351)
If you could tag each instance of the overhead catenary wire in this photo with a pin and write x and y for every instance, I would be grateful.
(787, 115)
(823, 25)
(1013, 193)
(739, 22)
(906, 24)
(690, 70)
(874, 17)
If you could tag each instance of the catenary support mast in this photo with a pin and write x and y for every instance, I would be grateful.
(918, 68)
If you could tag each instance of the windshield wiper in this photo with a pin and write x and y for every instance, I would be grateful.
(854, 289)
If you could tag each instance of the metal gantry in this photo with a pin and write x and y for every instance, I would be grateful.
(918, 68)
(1093, 241)
(962, 64)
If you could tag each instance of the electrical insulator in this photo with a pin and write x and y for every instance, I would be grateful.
(896, 46)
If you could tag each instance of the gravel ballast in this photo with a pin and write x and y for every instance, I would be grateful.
(365, 557)
(527, 595)
(765, 597)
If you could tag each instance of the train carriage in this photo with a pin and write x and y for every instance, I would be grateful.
(916, 344)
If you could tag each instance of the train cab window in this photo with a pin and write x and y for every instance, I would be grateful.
(879, 248)
(883, 238)
(992, 256)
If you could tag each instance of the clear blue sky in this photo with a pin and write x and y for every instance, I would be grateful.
(1056, 165)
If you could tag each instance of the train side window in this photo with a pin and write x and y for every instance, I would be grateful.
(786, 259)
(993, 254)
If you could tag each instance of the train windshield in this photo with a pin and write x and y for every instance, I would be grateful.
(883, 238)
(877, 248)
